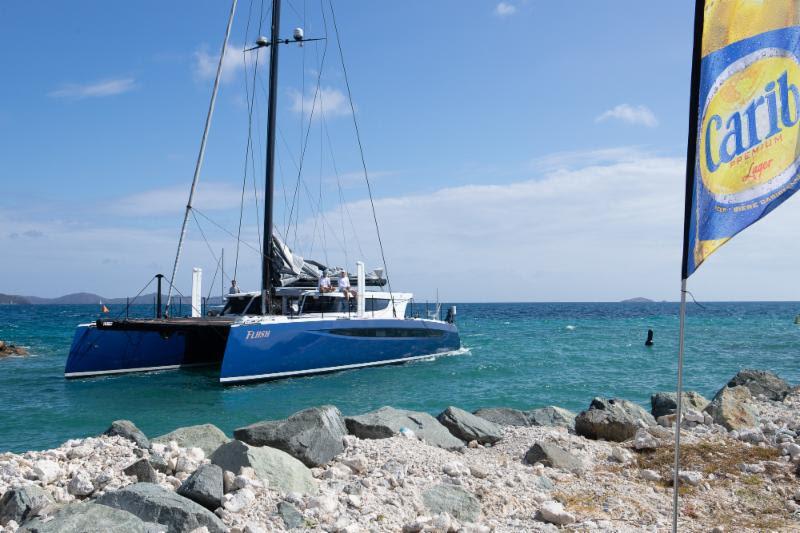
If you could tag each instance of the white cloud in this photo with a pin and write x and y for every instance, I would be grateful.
(605, 230)
(109, 87)
(505, 9)
(210, 196)
(632, 114)
(330, 101)
(205, 63)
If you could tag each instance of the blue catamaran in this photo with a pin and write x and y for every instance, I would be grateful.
(288, 328)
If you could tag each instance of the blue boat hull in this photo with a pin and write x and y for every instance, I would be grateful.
(259, 351)
(271, 351)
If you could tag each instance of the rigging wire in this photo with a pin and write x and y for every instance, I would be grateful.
(361, 151)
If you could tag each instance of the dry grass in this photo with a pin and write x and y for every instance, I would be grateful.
(723, 457)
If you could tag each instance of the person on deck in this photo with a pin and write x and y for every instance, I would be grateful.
(324, 284)
(234, 288)
(344, 285)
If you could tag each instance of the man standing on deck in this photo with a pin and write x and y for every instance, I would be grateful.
(234, 288)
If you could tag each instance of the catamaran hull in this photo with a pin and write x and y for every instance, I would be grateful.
(258, 351)
(271, 351)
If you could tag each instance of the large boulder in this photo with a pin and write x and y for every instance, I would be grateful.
(552, 416)
(207, 437)
(278, 468)
(468, 427)
(22, 503)
(761, 382)
(453, 500)
(732, 408)
(666, 403)
(612, 419)
(204, 486)
(86, 518)
(388, 421)
(553, 456)
(127, 429)
(314, 436)
(153, 503)
(504, 416)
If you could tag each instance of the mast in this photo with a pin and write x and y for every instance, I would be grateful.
(266, 265)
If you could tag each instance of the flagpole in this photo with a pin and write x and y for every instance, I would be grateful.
(691, 156)
(679, 401)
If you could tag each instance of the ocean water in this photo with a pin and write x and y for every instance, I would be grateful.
(522, 355)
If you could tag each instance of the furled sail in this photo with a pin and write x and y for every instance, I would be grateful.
(295, 271)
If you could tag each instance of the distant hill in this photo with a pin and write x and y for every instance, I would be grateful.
(88, 298)
(12, 299)
(638, 300)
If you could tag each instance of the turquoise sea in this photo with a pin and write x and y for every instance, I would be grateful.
(522, 355)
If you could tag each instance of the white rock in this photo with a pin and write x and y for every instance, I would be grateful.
(250, 527)
(644, 440)
(555, 513)
(80, 485)
(186, 465)
(238, 500)
(407, 433)
(158, 448)
(793, 450)
(478, 471)
(46, 471)
(350, 441)
(228, 478)
(79, 452)
(201, 529)
(196, 454)
(174, 482)
(358, 463)
(12, 525)
(650, 475)
(337, 471)
(241, 482)
(690, 477)
(326, 503)
(354, 500)
(693, 416)
(454, 469)
(753, 468)
(621, 455)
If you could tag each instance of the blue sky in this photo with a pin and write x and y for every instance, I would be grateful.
(520, 150)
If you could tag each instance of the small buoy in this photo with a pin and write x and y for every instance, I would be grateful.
(649, 341)
(797, 319)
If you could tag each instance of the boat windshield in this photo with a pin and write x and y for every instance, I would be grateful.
(240, 305)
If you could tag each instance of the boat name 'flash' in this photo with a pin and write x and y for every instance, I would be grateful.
(253, 334)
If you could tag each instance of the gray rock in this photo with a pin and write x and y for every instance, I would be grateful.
(553, 456)
(552, 416)
(504, 416)
(314, 436)
(143, 470)
(278, 468)
(291, 516)
(152, 503)
(665, 403)
(732, 408)
(204, 486)
(468, 427)
(127, 429)
(453, 500)
(23, 503)
(207, 437)
(761, 382)
(612, 419)
(158, 463)
(387, 422)
(86, 518)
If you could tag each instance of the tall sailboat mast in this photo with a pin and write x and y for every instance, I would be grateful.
(266, 265)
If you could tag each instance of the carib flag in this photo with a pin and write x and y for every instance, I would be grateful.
(746, 109)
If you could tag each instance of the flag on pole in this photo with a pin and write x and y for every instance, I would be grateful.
(746, 116)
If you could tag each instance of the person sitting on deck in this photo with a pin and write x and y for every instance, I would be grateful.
(344, 285)
(234, 288)
(324, 284)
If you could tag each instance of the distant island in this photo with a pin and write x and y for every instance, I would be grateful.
(88, 298)
(638, 300)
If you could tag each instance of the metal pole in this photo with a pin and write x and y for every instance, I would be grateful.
(200, 155)
(266, 268)
(679, 398)
(158, 295)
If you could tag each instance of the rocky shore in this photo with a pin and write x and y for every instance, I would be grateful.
(607, 468)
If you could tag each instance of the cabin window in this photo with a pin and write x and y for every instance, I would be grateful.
(323, 304)
(376, 304)
(237, 306)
